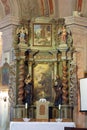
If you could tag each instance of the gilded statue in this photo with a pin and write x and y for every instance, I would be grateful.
(22, 33)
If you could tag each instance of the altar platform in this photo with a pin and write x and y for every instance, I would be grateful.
(40, 125)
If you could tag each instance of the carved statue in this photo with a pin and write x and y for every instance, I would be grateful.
(22, 33)
(28, 90)
(58, 91)
(63, 32)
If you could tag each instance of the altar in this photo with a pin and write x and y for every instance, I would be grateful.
(44, 62)
(40, 125)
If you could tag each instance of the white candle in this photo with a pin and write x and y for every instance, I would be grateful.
(26, 105)
(59, 106)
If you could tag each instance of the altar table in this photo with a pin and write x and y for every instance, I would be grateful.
(40, 125)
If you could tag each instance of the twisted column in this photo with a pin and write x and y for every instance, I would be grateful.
(21, 82)
(64, 83)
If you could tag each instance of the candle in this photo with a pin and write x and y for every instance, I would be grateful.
(26, 105)
(59, 106)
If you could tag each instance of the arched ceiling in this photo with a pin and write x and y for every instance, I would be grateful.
(23, 8)
(26, 9)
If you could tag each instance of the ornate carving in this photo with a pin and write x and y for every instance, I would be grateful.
(65, 85)
(12, 84)
(22, 33)
(21, 82)
(73, 84)
(62, 33)
(60, 52)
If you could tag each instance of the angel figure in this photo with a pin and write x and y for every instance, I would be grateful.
(63, 33)
(22, 33)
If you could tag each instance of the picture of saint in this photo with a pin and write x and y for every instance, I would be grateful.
(5, 73)
(42, 34)
(43, 82)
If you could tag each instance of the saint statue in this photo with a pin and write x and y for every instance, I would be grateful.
(63, 33)
(58, 91)
(28, 90)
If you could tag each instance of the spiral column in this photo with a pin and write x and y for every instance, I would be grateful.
(20, 74)
(63, 49)
(21, 82)
(65, 84)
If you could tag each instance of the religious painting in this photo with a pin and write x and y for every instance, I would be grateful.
(43, 82)
(5, 74)
(42, 34)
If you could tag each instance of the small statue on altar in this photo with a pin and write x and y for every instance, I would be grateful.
(58, 91)
(28, 90)
(63, 33)
(22, 33)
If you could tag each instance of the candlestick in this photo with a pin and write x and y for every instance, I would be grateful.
(60, 111)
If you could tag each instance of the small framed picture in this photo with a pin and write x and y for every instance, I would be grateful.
(42, 34)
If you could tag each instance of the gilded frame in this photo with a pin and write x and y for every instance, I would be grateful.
(42, 34)
(43, 81)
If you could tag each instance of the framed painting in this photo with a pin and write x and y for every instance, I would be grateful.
(42, 34)
(43, 82)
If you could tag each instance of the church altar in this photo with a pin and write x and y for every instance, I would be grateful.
(40, 125)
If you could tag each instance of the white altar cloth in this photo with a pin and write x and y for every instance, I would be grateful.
(40, 125)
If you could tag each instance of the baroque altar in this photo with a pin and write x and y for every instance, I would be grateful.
(43, 50)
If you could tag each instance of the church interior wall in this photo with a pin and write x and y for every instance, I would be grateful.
(77, 24)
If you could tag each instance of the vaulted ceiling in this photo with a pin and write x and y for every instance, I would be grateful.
(34, 8)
